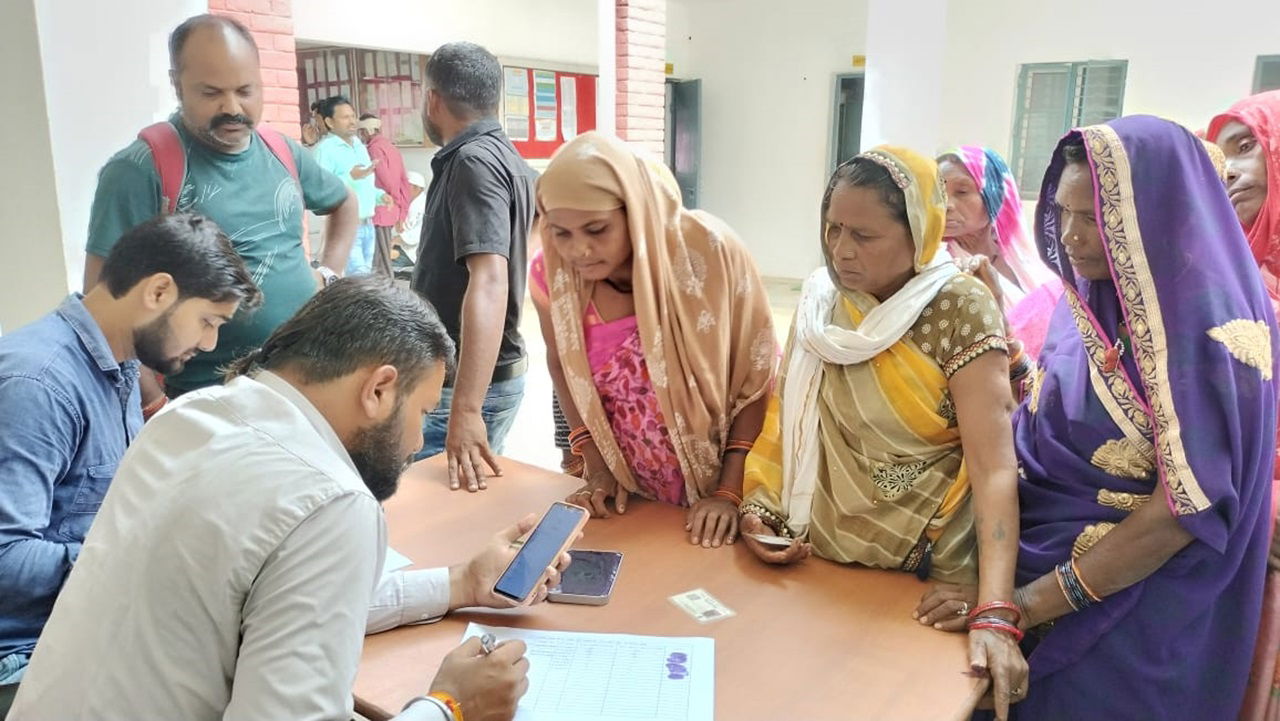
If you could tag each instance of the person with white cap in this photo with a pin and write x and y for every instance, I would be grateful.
(410, 231)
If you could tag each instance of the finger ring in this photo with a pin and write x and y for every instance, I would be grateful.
(963, 610)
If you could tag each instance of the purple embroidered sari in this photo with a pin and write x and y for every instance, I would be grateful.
(1192, 406)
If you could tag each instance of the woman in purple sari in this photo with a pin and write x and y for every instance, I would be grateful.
(1146, 441)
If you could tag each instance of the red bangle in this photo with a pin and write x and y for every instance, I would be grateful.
(997, 606)
(728, 494)
(992, 625)
(450, 702)
(732, 445)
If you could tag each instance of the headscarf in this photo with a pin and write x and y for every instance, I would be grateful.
(1003, 204)
(702, 312)
(819, 341)
(1261, 114)
(917, 177)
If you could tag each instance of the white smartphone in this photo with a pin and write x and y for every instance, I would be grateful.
(552, 536)
(589, 579)
(772, 541)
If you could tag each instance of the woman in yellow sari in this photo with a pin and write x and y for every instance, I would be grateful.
(890, 443)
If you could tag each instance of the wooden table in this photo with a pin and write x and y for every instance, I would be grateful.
(810, 642)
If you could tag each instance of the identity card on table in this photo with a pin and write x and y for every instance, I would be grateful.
(704, 607)
(613, 677)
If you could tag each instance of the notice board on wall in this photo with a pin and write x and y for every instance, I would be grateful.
(543, 109)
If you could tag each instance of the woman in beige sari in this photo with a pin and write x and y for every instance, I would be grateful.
(890, 443)
(659, 337)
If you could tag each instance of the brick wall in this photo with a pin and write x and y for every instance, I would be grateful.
(641, 63)
(271, 22)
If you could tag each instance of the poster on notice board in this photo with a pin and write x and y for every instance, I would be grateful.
(544, 105)
(516, 103)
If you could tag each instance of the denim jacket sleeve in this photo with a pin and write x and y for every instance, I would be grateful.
(39, 432)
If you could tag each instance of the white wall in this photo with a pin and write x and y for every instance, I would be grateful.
(767, 101)
(548, 30)
(1187, 62)
(105, 77)
(34, 273)
(902, 104)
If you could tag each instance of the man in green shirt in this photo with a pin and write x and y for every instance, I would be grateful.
(233, 178)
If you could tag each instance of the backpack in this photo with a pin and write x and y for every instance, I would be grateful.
(171, 158)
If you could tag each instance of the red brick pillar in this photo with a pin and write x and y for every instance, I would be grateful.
(641, 47)
(271, 22)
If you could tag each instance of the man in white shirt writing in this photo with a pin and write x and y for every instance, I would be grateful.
(232, 566)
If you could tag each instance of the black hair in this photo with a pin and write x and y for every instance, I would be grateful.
(178, 38)
(329, 106)
(356, 322)
(1073, 151)
(187, 246)
(468, 77)
(368, 116)
(862, 172)
(315, 106)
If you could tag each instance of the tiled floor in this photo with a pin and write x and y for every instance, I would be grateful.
(531, 439)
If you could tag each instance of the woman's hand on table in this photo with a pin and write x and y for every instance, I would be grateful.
(711, 521)
(488, 686)
(471, 584)
(797, 551)
(600, 487)
(996, 654)
(946, 606)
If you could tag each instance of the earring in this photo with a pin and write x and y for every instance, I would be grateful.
(1076, 237)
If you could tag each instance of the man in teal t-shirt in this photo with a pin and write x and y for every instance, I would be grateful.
(233, 178)
(341, 153)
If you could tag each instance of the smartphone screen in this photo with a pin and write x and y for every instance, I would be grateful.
(539, 551)
(592, 573)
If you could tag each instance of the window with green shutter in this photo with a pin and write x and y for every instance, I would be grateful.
(1266, 74)
(1052, 99)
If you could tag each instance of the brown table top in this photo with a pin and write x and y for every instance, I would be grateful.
(810, 642)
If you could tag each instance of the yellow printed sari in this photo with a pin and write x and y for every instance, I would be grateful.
(891, 490)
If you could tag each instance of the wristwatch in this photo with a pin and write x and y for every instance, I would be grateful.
(329, 276)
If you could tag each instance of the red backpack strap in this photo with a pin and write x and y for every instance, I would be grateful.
(280, 148)
(170, 159)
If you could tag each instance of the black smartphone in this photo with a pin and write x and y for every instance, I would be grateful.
(589, 579)
(552, 537)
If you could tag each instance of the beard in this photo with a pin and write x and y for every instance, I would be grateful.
(378, 457)
(433, 132)
(150, 341)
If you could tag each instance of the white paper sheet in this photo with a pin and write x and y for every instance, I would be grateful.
(568, 108)
(394, 560)
(613, 677)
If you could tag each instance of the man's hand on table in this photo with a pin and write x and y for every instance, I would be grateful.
(487, 687)
(467, 448)
(471, 584)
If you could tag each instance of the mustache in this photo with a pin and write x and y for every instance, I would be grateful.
(225, 118)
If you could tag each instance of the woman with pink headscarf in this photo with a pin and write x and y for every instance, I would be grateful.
(984, 218)
(1249, 135)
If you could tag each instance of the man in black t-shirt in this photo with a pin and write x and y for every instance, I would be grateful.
(471, 263)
